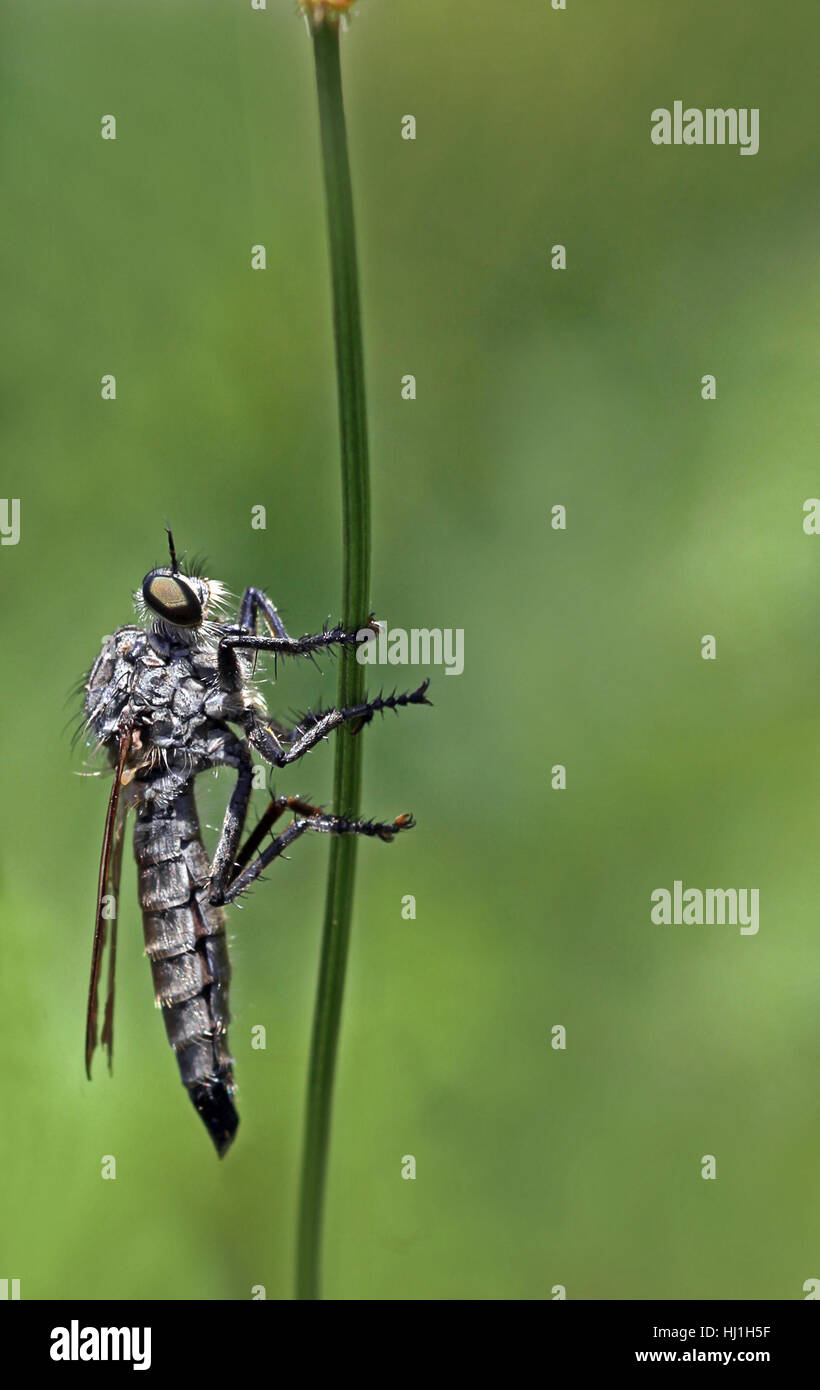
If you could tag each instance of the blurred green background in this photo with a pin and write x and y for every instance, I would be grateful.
(535, 387)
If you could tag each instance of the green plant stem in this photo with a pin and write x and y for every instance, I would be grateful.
(355, 610)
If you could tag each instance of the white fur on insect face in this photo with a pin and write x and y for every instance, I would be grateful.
(215, 601)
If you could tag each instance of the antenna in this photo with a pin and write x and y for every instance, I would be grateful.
(174, 565)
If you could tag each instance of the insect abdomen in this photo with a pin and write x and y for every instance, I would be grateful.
(185, 941)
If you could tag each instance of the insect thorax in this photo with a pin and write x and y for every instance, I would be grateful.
(167, 693)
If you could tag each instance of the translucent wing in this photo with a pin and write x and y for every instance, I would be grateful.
(105, 927)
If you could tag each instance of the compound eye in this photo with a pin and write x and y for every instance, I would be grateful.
(171, 598)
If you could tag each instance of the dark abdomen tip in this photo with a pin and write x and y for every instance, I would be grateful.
(213, 1101)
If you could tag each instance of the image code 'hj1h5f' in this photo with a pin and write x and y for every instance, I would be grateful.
(161, 699)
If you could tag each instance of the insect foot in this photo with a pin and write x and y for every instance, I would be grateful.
(394, 702)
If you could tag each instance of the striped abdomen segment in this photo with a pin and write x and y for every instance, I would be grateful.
(185, 941)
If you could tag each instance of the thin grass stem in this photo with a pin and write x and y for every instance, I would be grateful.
(355, 610)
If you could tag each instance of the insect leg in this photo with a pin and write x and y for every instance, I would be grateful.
(226, 861)
(276, 808)
(324, 825)
(316, 727)
(222, 864)
(254, 602)
(229, 675)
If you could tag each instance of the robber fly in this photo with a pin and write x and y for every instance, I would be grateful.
(169, 698)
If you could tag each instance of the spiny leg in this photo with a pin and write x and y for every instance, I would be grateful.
(316, 727)
(324, 825)
(276, 808)
(228, 667)
(236, 754)
(263, 735)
